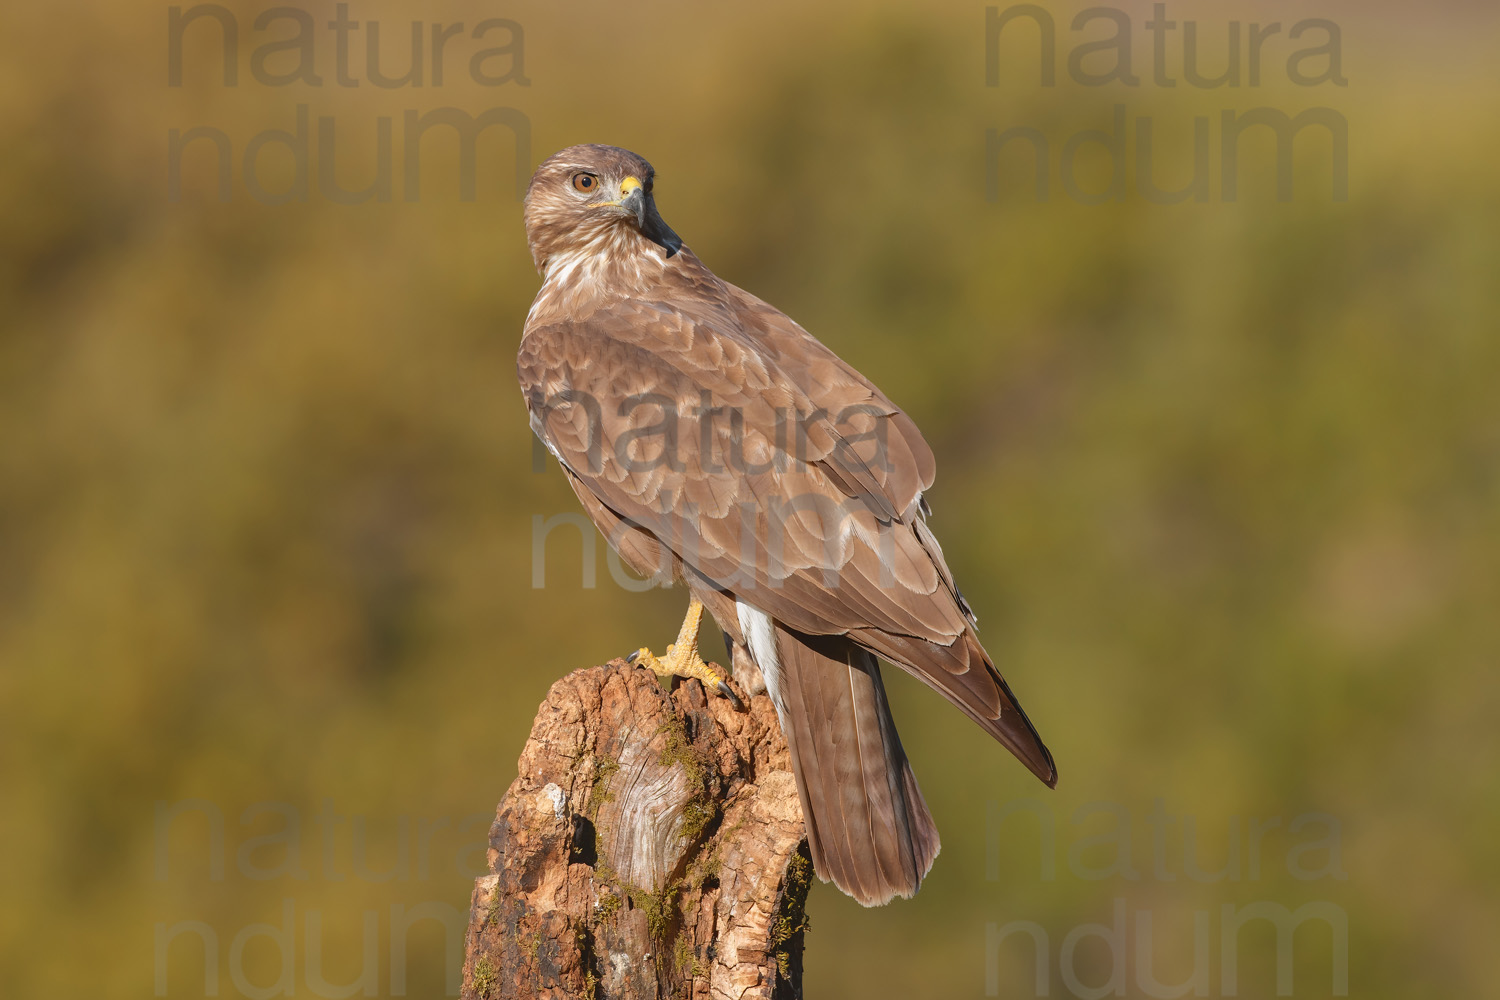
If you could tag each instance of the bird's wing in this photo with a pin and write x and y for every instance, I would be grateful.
(765, 493)
(906, 467)
(774, 472)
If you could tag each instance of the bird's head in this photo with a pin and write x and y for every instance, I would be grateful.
(594, 196)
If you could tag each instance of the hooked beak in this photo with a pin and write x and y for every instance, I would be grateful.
(635, 200)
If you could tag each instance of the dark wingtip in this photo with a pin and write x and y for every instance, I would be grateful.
(1023, 740)
(1045, 768)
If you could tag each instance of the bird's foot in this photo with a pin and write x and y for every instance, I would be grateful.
(682, 659)
(677, 663)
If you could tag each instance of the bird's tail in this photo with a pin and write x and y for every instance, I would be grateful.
(869, 830)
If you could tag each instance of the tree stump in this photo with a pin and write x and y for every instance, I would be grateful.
(650, 847)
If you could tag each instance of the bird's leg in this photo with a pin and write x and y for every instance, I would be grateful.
(682, 659)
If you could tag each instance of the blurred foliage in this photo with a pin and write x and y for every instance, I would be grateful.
(1220, 478)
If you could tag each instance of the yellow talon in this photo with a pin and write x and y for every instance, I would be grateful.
(682, 659)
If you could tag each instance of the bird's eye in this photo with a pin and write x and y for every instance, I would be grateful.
(586, 183)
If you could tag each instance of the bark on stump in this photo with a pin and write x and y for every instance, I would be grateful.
(650, 847)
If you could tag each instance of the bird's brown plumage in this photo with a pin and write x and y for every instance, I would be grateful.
(714, 440)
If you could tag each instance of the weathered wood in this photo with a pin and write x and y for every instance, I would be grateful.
(650, 847)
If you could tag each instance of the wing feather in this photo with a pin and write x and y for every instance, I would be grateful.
(770, 468)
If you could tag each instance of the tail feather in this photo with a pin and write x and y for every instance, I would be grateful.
(867, 824)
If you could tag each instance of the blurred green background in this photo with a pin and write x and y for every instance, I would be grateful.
(1219, 477)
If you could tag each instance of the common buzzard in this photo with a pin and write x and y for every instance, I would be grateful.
(716, 443)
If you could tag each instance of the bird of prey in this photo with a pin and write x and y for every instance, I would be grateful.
(715, 443)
